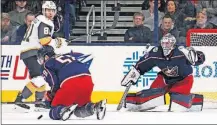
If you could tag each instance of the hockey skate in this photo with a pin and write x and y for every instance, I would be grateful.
(20, 103)
(40, 105)
(67, 112)
(100, 109)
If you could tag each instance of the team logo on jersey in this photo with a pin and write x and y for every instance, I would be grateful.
(171, 71)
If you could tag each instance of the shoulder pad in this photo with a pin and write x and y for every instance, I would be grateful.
(43, 19)
(40, 17)
(150, 51)
(35, 20)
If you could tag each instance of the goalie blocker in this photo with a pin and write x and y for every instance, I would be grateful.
(174, 78)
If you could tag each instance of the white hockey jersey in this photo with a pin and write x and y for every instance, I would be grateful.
(41, 28)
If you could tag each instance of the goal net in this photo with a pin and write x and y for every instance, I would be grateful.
(204, 37)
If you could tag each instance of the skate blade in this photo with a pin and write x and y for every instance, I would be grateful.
(66, 114)
(101, 113)
(21, 109)
(41, 110)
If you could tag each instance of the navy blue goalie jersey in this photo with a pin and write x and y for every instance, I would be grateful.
(174, 67)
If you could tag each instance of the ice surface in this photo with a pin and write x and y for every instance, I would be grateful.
(158, 115)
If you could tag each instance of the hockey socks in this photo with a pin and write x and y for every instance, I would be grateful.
(28, 90)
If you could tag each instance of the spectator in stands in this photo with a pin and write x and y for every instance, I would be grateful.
(213, 21)
(22, 29)
(7, 30)
(17, 16)
(72, 12)
(146, 5)
(173, 11)
(202, 22)
(138, 33)
(167, 26)
(189, 10)
(209, 6)
(149, 15)
(34, 6)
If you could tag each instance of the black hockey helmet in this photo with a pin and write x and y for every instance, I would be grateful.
(42, 52)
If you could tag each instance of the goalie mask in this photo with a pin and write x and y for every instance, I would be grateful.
(168, 44)
(42, 52)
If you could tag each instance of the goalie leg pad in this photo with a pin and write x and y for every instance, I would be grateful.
(145, 99)
(84, 111)
(55, 112)
(180, 102)
(197, 103)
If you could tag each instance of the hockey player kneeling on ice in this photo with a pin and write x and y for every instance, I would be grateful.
(71, 86)
(175, 78)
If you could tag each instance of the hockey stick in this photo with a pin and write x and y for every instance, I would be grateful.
(120, 105)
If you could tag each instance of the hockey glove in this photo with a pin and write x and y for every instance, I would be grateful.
(132, 76)
(190, 54)
(59, 42)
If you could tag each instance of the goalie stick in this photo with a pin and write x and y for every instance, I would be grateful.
(120, 105)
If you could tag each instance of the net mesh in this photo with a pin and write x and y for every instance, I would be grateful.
(204, 37)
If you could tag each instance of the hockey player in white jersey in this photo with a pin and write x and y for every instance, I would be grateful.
(38, 34)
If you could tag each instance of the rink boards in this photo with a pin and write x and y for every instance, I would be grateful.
(108, 66)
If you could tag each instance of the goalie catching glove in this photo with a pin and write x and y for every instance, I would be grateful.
(58, 42)
(131, 77)
(190, 54)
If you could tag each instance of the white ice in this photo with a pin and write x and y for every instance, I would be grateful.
(157, 116)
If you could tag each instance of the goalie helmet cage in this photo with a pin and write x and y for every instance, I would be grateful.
(204, 37)
(201, 37)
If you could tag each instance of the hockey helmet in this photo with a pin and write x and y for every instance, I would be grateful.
(42, 52)
(168, 43)
(48, 5)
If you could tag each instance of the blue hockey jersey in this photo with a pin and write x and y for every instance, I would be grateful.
(174, 67)
(60, 67)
